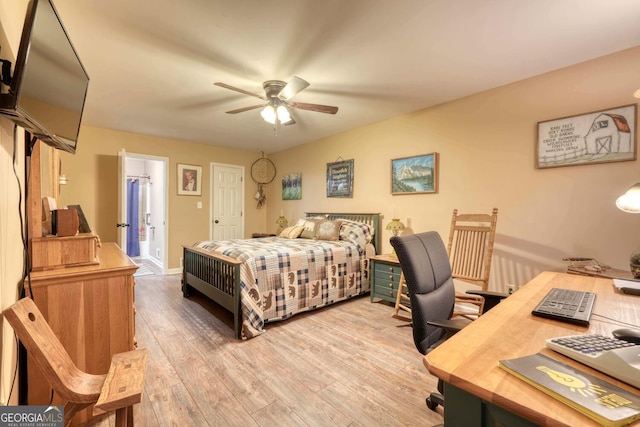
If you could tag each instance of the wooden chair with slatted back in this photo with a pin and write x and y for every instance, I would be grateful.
(117, 391)
(403, 302)
(470, 250)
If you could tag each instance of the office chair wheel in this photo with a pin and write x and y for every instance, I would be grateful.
(431, 404)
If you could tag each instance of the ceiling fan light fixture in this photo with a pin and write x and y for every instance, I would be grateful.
(268, 113)
(277, 94)
(284, 116)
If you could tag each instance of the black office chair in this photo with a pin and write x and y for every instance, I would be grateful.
(427, 272)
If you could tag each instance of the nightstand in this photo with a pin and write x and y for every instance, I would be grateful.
(385, 277)
(259, 235)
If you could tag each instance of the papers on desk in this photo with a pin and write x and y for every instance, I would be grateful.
(600, 400)
(627, 286)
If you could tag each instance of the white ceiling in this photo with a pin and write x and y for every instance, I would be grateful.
(152, 63)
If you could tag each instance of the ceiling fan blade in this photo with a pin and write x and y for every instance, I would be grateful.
(242, 110)
(294, 86)
(226, 86)
(315, 107)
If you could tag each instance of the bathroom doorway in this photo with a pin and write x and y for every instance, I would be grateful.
(143, 215)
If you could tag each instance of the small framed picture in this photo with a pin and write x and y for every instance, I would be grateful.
(292, 186)
(189, 180)
(415, 175)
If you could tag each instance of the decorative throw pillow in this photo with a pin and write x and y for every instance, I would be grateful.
(358, 233)
(285, 231)
(310, 227)
(328, 230)
(291, 232)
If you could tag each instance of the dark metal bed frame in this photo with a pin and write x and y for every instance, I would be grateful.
(218, 276)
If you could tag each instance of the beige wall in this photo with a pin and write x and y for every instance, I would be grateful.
(486, 144)
(11, 191)
(11, 247)
(93, 183)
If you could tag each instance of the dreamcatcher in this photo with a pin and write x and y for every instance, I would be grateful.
(263, 171)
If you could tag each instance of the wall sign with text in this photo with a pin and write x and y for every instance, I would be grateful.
(340, 179)
(598, 137)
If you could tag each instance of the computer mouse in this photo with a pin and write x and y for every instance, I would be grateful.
(627, 334)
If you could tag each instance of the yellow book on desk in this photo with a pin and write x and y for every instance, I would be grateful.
(607, 404)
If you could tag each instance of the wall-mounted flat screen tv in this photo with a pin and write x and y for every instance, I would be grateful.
(49, 85)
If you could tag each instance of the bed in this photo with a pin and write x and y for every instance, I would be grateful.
(267, 279)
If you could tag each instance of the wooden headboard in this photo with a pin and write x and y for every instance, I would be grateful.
(371, 219)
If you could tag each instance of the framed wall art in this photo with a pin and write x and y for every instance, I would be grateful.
(340, 179)
(189, 180)
(292, 186)
(415, 175)
(598, 137)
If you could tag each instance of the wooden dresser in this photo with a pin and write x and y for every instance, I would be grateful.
(90, 308)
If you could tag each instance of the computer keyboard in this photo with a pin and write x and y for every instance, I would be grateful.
(618, 358)
(566, 305)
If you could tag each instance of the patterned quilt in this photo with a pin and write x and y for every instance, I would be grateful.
(281, 277)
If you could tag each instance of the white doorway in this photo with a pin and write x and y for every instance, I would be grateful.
(227, 202)
(142, 207)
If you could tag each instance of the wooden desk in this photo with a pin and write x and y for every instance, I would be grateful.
(479, 393)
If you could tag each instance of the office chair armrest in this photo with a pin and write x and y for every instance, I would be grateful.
(450, 326)
(490, 294)
(491, 299)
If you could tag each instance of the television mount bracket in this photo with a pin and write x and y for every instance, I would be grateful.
(6, 71)
(5, 74)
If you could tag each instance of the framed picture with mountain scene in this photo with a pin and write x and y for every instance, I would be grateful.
(415, 175)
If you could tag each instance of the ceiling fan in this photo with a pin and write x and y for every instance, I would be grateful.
(278, 95)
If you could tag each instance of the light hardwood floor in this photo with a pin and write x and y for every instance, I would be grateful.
(349, 364)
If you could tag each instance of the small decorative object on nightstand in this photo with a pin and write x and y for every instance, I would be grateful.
(395, 226)
(282, 223)
(630, 202)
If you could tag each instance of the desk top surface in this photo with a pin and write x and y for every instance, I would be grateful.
(469, 360)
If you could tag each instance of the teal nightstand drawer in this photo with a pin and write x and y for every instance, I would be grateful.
(385, 278)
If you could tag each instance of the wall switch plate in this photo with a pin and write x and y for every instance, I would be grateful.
(199, 205)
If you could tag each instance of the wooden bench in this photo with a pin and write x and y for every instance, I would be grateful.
(117, 391)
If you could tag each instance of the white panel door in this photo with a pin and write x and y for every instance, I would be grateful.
(227, 199)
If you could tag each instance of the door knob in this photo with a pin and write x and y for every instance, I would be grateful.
(216, 221)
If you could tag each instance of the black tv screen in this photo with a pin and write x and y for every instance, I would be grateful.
(49, 85)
